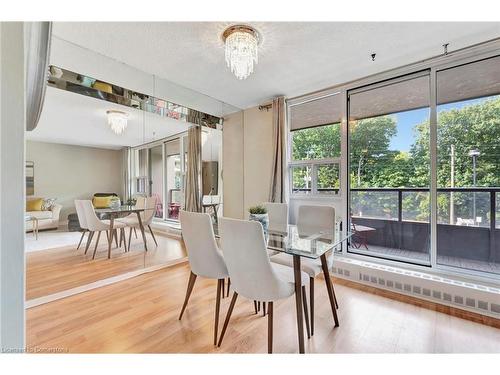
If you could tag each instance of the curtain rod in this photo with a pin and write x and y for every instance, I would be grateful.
(267, 107)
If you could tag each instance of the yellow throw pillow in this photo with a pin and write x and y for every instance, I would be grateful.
(34, 204)
(103, 86)
(101, 202)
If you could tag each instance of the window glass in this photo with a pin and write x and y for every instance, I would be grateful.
(328, 182)
(322, 142)
(468, 166)
(301, 179)
(389, 166)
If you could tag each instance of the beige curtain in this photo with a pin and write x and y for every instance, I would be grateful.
(193, 196)
(278, 189)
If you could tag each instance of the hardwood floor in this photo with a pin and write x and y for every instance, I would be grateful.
(63, 268)
(140, 315)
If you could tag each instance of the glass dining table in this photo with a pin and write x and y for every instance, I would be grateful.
(121, 211)
(311, 244)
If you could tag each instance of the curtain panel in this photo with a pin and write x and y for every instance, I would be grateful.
(278, 188)
(193, 193)
(38, 35)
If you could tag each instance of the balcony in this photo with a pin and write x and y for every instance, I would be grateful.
(394, 223)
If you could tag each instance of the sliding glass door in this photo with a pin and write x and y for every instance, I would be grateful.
(158, 171)
(389, 179)
(174, 171)
(468, 166)
(392, 162)
(156, 178)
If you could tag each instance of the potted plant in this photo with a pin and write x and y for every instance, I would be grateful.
(131, 202)
(259, 213)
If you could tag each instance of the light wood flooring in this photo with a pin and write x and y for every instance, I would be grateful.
(63, 268)
(140, 315)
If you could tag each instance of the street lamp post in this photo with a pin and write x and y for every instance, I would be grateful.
(474, 154)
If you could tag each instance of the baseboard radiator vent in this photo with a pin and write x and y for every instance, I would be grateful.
(477, 298)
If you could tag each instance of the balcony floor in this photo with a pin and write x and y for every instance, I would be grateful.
(476, 265)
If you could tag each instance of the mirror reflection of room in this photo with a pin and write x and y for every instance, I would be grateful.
(126, 158)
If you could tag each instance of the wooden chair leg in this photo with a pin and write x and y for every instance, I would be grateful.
(96, 243)
(135, 232)
(258, 306)
(192, 280)
(115, 234)
(124, 235)
(270, 328)
(255, 306)
(306, 314)
(129, 239)
(153, 235)
(263, 309)
(89, 240)
(121, 237)
(228, 285)
(228, 316)
(223, 286)
(217, 309)
(81, 239)
(311, 303)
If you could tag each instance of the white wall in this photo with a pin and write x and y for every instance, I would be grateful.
(12, 125)
(258, 156)
(247, 147)
(232, 169)
(69, 172)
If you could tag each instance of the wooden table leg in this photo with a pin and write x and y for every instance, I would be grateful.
(329, 288)
(141, 227)
(110, 239)
(36, 229)
(298, 301)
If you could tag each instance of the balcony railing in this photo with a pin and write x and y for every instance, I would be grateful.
(468, 224)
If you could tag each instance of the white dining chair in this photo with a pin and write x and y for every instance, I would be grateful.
(312, 219)
(132, 222)
(278, 216)
(82, 221)
(94, 224)
(204, 256)
(252, 274)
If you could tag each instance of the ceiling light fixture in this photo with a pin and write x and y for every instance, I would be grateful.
(117, 120)
(241, 49)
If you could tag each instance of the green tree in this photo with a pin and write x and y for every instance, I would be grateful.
(369, 141)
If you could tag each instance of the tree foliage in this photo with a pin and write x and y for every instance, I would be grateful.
(374, 164)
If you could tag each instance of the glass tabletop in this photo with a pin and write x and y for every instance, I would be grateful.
(309, 245)
(110, 210)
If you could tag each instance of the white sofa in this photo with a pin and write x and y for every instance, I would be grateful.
(46, 219)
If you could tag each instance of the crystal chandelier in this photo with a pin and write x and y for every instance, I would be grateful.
(117, 120)
(241, 49)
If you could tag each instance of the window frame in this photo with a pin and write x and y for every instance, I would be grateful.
(463, 56)
(314, 164)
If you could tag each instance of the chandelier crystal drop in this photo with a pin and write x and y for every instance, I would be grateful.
(117, 120)
(241, 50)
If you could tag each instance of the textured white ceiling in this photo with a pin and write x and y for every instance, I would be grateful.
(294, 59)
